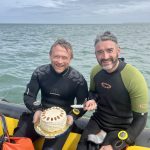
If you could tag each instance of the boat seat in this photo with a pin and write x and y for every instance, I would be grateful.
(11, 109)
(144, 138)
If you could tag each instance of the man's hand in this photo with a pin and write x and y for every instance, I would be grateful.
(106, 147)
(90, 105)
(36, 117)
(69, 120)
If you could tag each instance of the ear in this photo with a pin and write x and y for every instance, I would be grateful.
(49, 57)
(119, 50)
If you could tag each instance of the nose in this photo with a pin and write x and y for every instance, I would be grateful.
(60, 60)
(105, 55)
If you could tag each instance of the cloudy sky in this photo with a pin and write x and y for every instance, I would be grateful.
(74, 11)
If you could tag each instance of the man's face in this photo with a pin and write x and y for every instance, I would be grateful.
(60, 58)
(107, 53)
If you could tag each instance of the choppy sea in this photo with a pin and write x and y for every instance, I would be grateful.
(23, 47)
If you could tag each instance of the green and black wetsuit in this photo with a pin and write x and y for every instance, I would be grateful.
(122, 98)
(118, 95)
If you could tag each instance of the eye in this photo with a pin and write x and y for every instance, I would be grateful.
(109, 50)
(56, 57)
(64, 58)
(99, 52)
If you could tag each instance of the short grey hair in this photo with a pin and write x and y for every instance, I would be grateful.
(106, 36)
(63, 43)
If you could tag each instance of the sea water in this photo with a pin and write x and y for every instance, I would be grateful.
(23, 47)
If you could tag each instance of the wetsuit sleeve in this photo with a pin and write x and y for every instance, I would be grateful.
(92, 90)
(82, 92)
(138, 92)
(81, 96)
(138, 124)
(31, 92)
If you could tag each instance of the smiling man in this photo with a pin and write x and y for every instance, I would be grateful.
(59, 84)
(107, 53)
(118, 94)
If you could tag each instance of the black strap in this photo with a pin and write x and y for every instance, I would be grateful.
(5, 135)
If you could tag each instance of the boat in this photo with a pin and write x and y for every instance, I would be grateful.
(13, 111)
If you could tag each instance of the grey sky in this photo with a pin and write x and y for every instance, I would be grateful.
(74, 11)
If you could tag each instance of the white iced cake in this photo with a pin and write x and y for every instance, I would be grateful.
(53, 119)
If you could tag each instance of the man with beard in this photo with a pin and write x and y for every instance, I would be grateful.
(59, 85)
(118, 94)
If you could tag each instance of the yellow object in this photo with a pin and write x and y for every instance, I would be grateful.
(122, 135)
(137, 148)
(76, 111)
(11, 124)
(72, 141)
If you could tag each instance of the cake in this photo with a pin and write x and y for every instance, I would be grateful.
(53, 119)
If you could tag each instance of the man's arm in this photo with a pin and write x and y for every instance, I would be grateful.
(138, 92)
(136, 127)
(31, 93)
(81, 96)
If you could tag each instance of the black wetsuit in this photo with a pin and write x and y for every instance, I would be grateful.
(122, 98)
(56, 90)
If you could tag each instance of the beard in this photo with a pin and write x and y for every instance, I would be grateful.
(112, 63)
